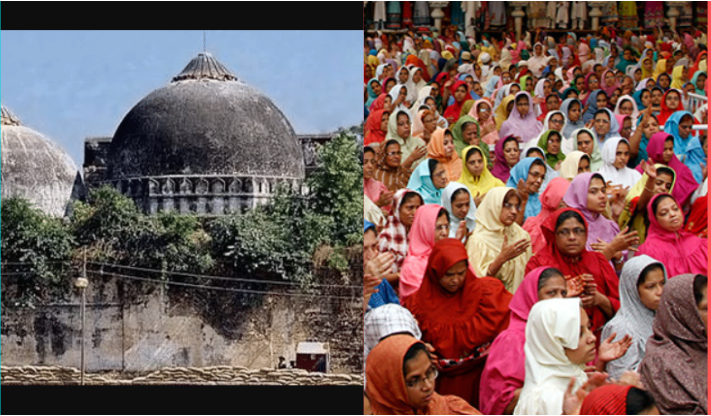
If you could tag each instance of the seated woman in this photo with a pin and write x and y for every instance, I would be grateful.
(522, 120)
(429, 178)
(550, 141)
(460, 92)
(680, 386)
(504, 373)
(616, 399)
(527, 177)
(584, 140)
(605, 126)
(372, 188)
(441, 148)
(671, 103)
(575, 163)
(535, 151)
(647, 126)
(551, 200)
(499, 247)
(641, 285)
(475, 174)
(393, 174)
(507, 154)
(558, 344)
(461, 208)
(376, 127)
(401, 380)
(566, 233)
(482, 112)
(394, 237)
(459, 315)
(399, 130)
(681, 252)
(466, 132)
(615, 155)
(431, 225)
(596, 101)
(424, 124)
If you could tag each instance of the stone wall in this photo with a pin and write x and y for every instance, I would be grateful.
(218, 375)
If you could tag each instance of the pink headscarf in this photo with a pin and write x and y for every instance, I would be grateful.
(422, 240)
(527, 128)
(576, 197)
(682, 251)
(505, 369)
(583, 51)
(550, 200)
(608, 89)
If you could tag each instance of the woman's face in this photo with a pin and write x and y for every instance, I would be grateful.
(580, 84)
(574, 112)
(511, 152)
(585, 143)
(647, 64)
(509, 108)
(387, 103)
(597, 196)
(430, 102)
(384, 121)
(390, 84)
(602, 124)
(393, 155)
(403, 125)
(583, 165)
(556, 122)
(407, 210)
(668, 151)
(512, 205)
(593, 83)
(514, 89)
(553, 287)
(622, 156)
(529, 84)
(434, 92)
(484, 112)
(615, 95)
(441, 227)
(626, 128)
(586, 345)
(650, 127)
(420, 389)
(553, 144)
(627, 55)
(470, 81)
(701, 81)
(650, 291)
(375, 86)
(601, 101)
(453, 279)
(470, 134)
(689, 88)
(637, 75)
(684, 74)
(669, 215)
(626, 107)
(672, 100)
(439, 176)
(685, 126)
(553, 103)
(571, 237)
(547, 86)
(599, 69)
(369, 163)
(475, 164)
(403, 75)
(522, 106)
(657, 97)
(448, 145)
(506, 78)
(536, 176)
(417, 76)
(663, 183)
(460, 93)
(477, 89)
(477, 71)
(646, 99)
(461, 204)
(609, 79)
(497, 71)
(650, 84)
(538, 49)
(664, 81)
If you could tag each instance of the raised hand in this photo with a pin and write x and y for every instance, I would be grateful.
(610, 351)
(380, 265)
(461, 231)
(574, 285)
(522, 189)
(386, 198)
(511, 251)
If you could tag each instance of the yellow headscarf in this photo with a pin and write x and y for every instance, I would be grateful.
(660, 68)
(481, 185)
(485, 243)
(501, 111)
(646, 74)
(629, 216)
(676, 77)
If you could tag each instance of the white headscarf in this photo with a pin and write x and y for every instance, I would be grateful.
(626, 177)
(633, 318)
(553, 325)
(387, 320)
(470, 218)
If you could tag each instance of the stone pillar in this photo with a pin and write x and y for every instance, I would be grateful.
(596, 13)
(674, 12)
(518, 14)
(437, 13)
(469, 15)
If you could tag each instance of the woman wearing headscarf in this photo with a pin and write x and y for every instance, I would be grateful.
(466, 131)
(575, 162)
(615, 154)
(522, 120)
(459, 315)
(566, 233)
(392, 392)
(551, 200)
(475, 173)
(641, 284)
(482, 112)
(460, 92)
(431, 225)
(507, 154)
(529, 173)
(457, 200)
(572, 110)
(596, 100)
(666, 239)
(619, 399)
(441, 148)
(679, 77)
(550, 142)
(399, 130)
(428, 179)
(699, 79)
(584, 140)
(627, 105)
(393, 238)
(502, 112)
(374, 89)
(679, 125)
(372, 188)
(605, 126)
(504, 373)
(661, 150)
(671, 103)
(499, 247)
(679, 386)
(558, 344)
(390, 171)
(376, 127)
(609, 82)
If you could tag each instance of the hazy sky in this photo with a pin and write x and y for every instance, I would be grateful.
(69, 85)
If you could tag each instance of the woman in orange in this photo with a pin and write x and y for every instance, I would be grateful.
(441, 147)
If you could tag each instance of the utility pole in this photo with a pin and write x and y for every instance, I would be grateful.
(81, 283)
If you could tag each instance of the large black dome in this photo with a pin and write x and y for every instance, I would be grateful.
(205, 122)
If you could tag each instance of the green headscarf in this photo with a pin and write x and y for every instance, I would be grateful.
(460, 144)
(551, 159)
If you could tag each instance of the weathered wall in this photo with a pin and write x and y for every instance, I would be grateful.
(160, 333)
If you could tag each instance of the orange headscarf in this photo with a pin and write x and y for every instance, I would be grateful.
(435, 150)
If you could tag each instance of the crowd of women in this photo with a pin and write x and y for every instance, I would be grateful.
(535, 230)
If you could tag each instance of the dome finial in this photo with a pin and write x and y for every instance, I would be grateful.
(205, 66)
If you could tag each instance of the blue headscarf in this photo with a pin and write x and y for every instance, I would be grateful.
(694, 158)
(672, 127)
(642, 152)
(638, 99)
(384, 291)
(421, 181)
(592, 106)
(520, 172)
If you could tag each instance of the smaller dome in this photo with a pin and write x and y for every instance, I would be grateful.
(205, 66)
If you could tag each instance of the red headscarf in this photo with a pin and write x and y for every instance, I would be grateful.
(372, 128)
(459, 324)
(453, 112)
(606, 400)
(588, 262)
(666, 111)
(379, 103)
